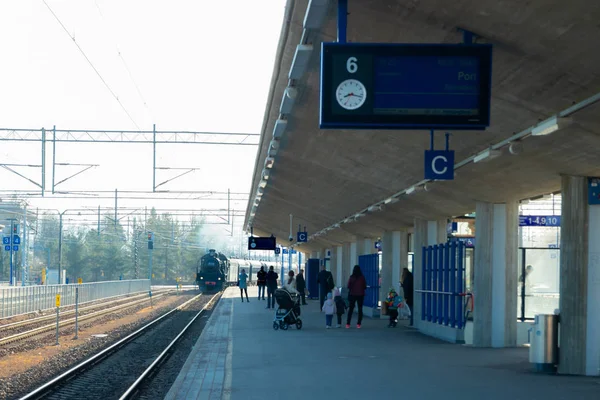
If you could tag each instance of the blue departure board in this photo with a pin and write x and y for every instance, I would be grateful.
(400, 86)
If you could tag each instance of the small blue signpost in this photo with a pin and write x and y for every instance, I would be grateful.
(593, 191)
(539, 220)
(302, 237)
(439, 164)
(378, 245)
(15, 247)
(16, 239)
(277, 250)
(7, 247)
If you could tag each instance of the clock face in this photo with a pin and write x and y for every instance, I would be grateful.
(351, 94)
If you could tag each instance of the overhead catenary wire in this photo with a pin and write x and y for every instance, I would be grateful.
(120, 54)
(91, 64)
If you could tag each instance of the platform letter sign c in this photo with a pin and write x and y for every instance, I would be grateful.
(302, 237)
(439, 165)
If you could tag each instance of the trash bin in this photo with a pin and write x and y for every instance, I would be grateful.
(543, 350)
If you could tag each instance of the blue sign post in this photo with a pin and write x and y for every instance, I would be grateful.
(302, 237)
(439, 164)
(539, 220)
(593, 191)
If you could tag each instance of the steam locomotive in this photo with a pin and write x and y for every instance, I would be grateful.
(212, 271)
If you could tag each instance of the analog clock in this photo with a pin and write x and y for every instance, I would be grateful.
(351, 94)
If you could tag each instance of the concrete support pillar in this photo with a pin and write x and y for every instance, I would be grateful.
(496, 273)
(579, 280)
(333, 263)
(420, 238)
(388, 244)
(394, 257)
(347, 264)
(436, 232)
(400, 254)
(339, 268)
(353, 255)
(365, 246)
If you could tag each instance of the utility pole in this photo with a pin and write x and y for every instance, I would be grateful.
(60, 226)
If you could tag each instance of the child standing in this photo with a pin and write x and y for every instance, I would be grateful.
(329, 309)
(393, 301)
(340, 306)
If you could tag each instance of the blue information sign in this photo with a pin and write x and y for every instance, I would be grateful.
(593, 191)
(7, 247)
(439, 164)
(539, 220)
(16, 239)
(15, 248)
(378, 245)
(302, 237)
(277, 250)
(6, 240)
(405, 86)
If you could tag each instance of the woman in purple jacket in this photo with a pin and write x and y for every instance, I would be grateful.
(357, 285)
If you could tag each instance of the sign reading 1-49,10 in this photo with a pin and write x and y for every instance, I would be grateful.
(405, 86)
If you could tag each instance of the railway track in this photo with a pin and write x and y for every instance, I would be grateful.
(122, 370)
(71, 311)
(71, 321)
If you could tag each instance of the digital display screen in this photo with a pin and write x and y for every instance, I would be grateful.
(426, 85)
(405, 86)
(262, 243)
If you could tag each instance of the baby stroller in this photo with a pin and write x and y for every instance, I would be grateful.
(288, 310)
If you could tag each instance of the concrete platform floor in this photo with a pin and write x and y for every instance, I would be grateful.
(240, 356)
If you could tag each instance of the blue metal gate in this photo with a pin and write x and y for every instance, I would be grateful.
(369, 265)
(443, 284)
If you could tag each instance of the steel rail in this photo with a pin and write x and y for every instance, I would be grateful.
(36, 331)
(52, 316)
(40, 391)
(134, 387)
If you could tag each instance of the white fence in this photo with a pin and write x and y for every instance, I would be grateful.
(26, 299)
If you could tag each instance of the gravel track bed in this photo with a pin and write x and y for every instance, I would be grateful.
(64, 316)
(158, 385)
(111, 377)
(21, 384)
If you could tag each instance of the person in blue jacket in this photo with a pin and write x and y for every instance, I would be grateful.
(243, 284)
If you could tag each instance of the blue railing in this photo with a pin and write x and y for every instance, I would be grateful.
(443, 284)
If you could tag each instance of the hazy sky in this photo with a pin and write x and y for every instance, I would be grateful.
(202, 65)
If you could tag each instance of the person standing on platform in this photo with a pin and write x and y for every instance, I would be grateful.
(329, 309)
(301, 286)
(407, 286)
(243, 284)
(326, 284)
(357, 286)
(290, 284)
(340, 306)
(261, 281)
(271, 286)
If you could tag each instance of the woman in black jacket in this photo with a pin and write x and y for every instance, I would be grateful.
(271, 286)
(407, 286)
(301, 286)
(261, 281)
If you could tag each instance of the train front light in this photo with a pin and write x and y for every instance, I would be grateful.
(201, 278)
(218, 279)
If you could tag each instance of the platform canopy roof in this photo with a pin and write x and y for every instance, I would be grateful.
(545, 64)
